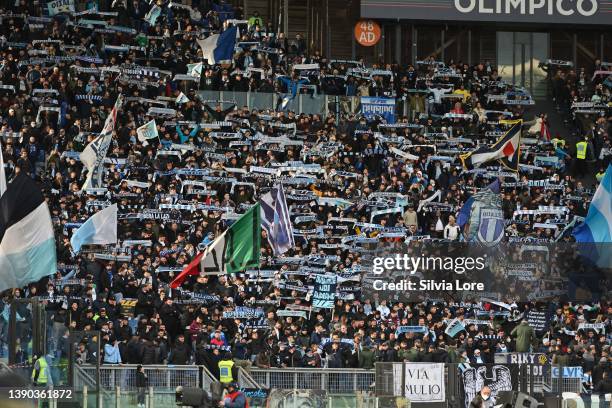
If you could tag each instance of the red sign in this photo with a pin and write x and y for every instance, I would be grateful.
(367, 32)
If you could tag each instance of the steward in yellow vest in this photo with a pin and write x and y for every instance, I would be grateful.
(225, 369)
(581, 150)
(40, 373)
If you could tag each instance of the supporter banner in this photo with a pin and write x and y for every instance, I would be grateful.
(324, 292)
(411, 329)
(256, 396)
(539, 362)
(243, 313)
(497, 377)
(504, 11)
(60, 6)
(384, 107)
(127, 306)
(568, 372)
(424, 382)
(291, 313)
(539, 320)
(593, 326)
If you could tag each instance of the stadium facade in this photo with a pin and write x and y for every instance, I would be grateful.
(514, 35)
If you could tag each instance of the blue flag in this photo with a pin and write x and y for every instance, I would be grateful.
(219, 47)
(275, 220)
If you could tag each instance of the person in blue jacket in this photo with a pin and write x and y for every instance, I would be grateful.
(293, 85)
(185, 138)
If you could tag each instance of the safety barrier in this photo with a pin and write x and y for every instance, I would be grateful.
(334, 381)
(163, 378)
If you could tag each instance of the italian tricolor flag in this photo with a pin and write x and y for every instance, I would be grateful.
(236, 250)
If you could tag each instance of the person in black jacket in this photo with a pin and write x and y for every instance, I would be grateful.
(604, 386)
(150, 353)
(181, 352)
(334, 357)
(141, 384)
(217, 113)
(135, 350)
(171, 317)
(145, 301)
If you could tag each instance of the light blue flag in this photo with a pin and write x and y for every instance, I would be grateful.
(99, 229)
(597, 227)
(153, 14)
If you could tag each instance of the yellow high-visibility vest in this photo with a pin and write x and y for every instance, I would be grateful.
(225, 371)
(42, 375)
(581, 149)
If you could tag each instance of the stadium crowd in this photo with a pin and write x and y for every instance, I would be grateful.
(212, 160)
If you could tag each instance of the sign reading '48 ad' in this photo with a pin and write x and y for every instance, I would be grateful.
(367, 33)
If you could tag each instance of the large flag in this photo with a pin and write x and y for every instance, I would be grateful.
(466, 209)
(219, 47)
(275, 220)
(147, 131)
(486, 222)
(94, 153)
(100, 229)
(2, 173)
(506, 150)
(27, 243)
(236, 250)
(597, 227)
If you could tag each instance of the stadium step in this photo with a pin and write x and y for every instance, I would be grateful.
(308, 18)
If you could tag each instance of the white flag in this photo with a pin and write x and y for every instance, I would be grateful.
(94, 153)
(147, 131)
(182, 98)
(194, 69)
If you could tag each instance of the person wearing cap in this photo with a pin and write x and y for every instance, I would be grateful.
(477, 357)
(234, 398)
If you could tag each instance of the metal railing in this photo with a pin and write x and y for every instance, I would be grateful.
(163, 378)
(207, 379)
(567, 385)
(245, 380)
(334, 381)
